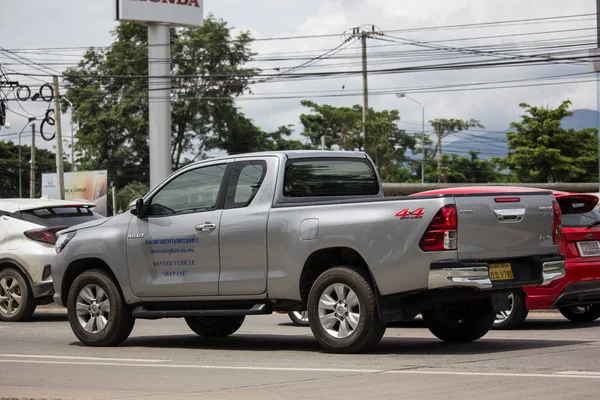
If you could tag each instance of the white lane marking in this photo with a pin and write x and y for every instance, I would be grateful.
(590, 373)
(332, 370)
(502, 374)
(193, 366)
(84, 358)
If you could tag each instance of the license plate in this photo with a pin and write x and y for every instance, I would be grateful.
(501, 272)
(589, 249)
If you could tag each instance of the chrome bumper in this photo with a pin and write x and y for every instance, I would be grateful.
(553, 270)
(478, 276)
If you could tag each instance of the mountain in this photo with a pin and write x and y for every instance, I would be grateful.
(495, 144)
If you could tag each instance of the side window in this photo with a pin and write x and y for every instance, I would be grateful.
(194, 191)
(246, 179)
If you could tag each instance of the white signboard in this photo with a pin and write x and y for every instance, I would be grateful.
(176, 12)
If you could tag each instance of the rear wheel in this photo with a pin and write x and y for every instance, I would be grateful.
(584, 313)
(299, 318)
(516, 313)
(215, 326)
(460, 322)
(342, 311)
(16, 298)
(97, 312)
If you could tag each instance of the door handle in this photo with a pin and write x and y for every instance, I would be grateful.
(205, 227)
(512, 215)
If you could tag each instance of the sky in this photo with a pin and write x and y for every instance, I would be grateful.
(41, 24)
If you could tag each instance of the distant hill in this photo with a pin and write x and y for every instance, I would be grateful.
(581, 119)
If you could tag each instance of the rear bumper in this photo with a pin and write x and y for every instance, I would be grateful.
(579, 293)
(527, 272)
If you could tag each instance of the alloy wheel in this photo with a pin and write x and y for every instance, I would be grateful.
(93, 308)
(10, 295)
(339, 310)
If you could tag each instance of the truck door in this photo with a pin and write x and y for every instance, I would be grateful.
(174, 250)
(243, 235)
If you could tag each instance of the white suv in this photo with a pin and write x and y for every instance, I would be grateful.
(28, 232)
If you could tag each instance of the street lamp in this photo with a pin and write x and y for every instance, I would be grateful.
(30, 119)
(401, 96)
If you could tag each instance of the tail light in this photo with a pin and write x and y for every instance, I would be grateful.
(556, 228)
(441, 234)
(44, 235)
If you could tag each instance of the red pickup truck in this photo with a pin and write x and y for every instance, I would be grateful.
(577, 294)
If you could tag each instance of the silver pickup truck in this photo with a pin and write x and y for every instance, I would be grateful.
(251, 234)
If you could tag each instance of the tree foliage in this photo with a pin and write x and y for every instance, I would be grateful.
(109, 93)
(463, 169)
(342, 127)
(129, 193)
(540, 150)
(9, 169)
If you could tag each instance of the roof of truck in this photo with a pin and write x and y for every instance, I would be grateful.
(292, 154)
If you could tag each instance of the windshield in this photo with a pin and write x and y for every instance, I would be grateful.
(581, 220)
(60, 216)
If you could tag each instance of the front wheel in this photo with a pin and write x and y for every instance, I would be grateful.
(460, 322)
(215, 326)
(516, 313)
(97, 312)
(585, 313)
(342, 311)
(299, 318)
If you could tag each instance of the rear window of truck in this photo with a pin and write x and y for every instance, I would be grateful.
(321, 178)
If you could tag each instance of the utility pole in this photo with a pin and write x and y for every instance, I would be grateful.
(32, 165)
(363, 40)
(598, 81)
(159, 98)
(59, 149)
(363, 35)
(438, 132)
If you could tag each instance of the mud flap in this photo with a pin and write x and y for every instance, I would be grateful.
(500, 302)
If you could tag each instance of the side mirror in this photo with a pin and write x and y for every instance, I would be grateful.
(138, 208)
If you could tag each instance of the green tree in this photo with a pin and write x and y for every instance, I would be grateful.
(109, 92)
(540, 150)
(9, 169)
(472, 169)
(342, 127)
(129, 193)
(445, 127)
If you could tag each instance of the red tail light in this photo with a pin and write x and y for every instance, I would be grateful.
(441, 235)
(45, 235)
(556, 228)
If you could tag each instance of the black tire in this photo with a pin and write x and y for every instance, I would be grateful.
(460, 322)
(119, 323)
(367, 332)
(215, 326)
(14, 286)
(515, 315)
(299, 320)
(583, 313)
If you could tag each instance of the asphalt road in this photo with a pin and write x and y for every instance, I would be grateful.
(549, 358)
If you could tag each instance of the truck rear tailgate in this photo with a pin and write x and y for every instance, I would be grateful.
(505, 225)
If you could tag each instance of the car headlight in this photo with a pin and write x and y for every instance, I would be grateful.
(63, 240)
